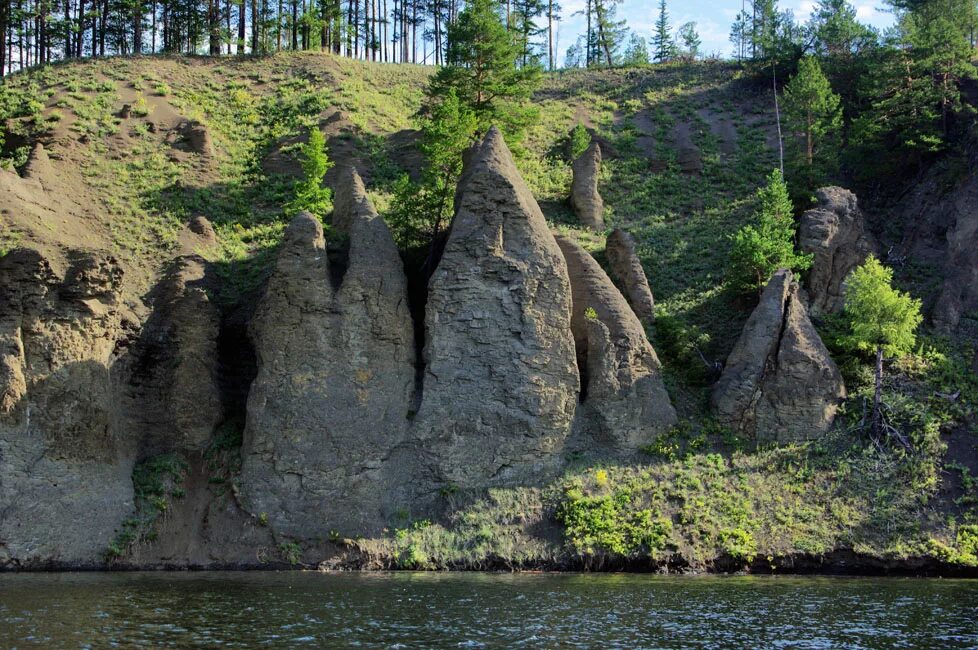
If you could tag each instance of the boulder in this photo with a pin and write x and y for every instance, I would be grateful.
(171, 373)
(335, 381)
(197, 138)
(63, 459)
(834, 233)
(779, 383)
(585, 199)
(500, 378)
(625, 401)
(628, 273)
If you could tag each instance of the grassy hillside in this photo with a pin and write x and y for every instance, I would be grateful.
(686, 147)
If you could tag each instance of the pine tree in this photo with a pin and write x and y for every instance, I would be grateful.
(310, 195)
(883, 320)
(481, 68)
(813, 112)
(767, 244)
(663, 47)
(637, 52)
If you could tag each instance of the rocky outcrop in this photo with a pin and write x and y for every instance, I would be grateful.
(779, 383)
(65, 467)
(500, 381)
(628, 273)
(959, 293)
(585, 198)
(197, 138)
(170, 375)
(834, 233)
(335, 379)
(625, 402)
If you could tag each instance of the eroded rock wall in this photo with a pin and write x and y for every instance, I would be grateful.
(335, 379)
(65, 466)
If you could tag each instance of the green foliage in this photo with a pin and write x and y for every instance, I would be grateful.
(421, 211)
(291, 552)
(605, 523)
(155, 482)
(663, 47)
(481, 68)
(813, 115)
(767, 244)
(580, 140)
(880, 317)
(310, 195)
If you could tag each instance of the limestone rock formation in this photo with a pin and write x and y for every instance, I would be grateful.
(62, 461)
(335, 379)
(501, 381)
(779, 383)
(834, 232)
(170, 375)
(627, 271)
(625, 399)
(585, 198)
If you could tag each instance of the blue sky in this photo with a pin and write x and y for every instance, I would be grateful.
(713, 18)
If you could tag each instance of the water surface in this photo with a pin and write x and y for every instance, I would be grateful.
(468, 610)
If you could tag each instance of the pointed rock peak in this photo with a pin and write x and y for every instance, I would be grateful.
(350, 200)
(593, 151)
(492, 153)
(305, 230)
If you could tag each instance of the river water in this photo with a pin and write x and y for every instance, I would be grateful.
(469, 610)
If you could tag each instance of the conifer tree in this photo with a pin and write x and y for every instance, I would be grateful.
(883, 321)
(814, 114)
(663, 47)
(768, 242)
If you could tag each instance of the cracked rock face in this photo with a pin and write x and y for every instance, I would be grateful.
(627, 271)
(585, 198)
(835, 234)
(62, 459)
(779, 383)
(335, 378)
(626, 403)
(501, 381)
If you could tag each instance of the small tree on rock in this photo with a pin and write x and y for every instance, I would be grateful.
(768, 243)
(883, 320)
(309, 191)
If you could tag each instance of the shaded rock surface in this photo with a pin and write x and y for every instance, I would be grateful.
(63, 460)
(335, 378)
(585, 198)
(959, 293)
(170, 375)
(834, 233)
(627, 271)
(501, 382)
(779, 383)
(626, 403)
